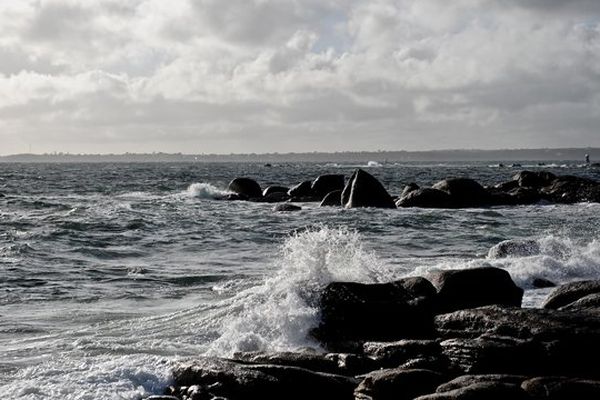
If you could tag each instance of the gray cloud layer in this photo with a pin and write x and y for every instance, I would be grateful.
(291, 75)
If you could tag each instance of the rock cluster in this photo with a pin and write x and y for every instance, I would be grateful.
(364, 190)
(455, 335)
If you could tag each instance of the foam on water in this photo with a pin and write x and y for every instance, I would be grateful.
(279, 313)
(205, 191)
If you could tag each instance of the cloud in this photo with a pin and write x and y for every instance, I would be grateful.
(283, 75)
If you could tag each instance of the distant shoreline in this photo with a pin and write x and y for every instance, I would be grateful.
(556, 154)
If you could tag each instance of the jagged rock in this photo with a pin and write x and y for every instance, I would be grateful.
(533, 179)
(465, 192)
(470, 288)
(274, 189)
(515, 248)
(572, 189)
(240, 381)
(332, 199)
(468, 380)
(426, 198)
(562, 388)
(481, 391)
(303, 189)
(570, 292)
(364, 190)
(394, 354)
(397, 384)
(245, 186)
(586, 303)
(372, 312)
(326, 184)
(286, 208)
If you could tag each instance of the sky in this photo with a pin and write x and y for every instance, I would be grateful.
(243, 76)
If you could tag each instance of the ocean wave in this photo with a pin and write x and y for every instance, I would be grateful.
(205, 191)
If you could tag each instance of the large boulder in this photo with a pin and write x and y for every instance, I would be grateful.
(409, 188)
(562, 388)
(232, 380)
(426, 198)
(591, 302)
(397, 384)
(469, 288)
(245, 186)
(332, 199)
(274, 189)
(481, 391)
(468, 380)
(515, 248)
(571, 292)
(393, 354)
(534, 179)
(572, 189)
(286, 207)
(465, 192)
(301, 190)
(326, 184)
(354, 312)
(364, 190)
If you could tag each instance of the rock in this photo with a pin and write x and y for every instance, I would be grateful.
(481, 391)
(397, 384)
(497, 355)
(335, 363)
(525, 196)
(332, 199)
(286, 208)
(465, 192)
(409, 188)
(393, 354)
(161, 397)
(515, 248)
(326, 184)
(562, 388)
(236, 197)
(586, 303)
(239, 381)
(541, 283)
(426, 198)
(363, 190)
(245, 186)
(274, 189)
(276, 197)
(533, 179)
(572, 189)
(570, 292)
(470, 288)
(506, 186)
(468, 380)
(372, 312)
(303, 189)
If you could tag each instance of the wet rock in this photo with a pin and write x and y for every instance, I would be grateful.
(276, 197)
(426, 198)
(397, 384)
(303, 189)
(372, 312)
(274, 189)
(465, 192)
(570, 292)
(245, 186)
(286, 208)
(394, 354)
(468, 380)
(541, 283)
(525, 196)
(506, 186)
(364, 190)
(572, 189)
(481, 391)
(470, 288)
(562, 388)
(409, 188)
(162, 397)
(326, 184)
(590, 302)
(241, 381)
(332, 199)
(515, 248)
(533, 179)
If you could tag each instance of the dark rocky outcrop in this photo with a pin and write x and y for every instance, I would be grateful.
(470, 288)
(245, 186)
(481, 391)
(570, 292)
(274, 189)
(363, 190)
(326, 184)
(397, 384)
(409, 188)
(562, 388)
(572, 189)
(465, 192)
(468, 380)
(332, 199)
(276, 197)
(393, 354)
(286, 207)
(534, 179)
(301, 190)
(426, 198)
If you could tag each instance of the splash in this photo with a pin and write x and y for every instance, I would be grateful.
(205, 191)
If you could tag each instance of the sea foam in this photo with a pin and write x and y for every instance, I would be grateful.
(205, 191)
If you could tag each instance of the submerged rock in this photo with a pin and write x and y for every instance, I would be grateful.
(332, 199)
(245, 186)
(364, 190)
(286, 207)
(469, 288)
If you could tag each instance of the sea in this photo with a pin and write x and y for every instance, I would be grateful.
(112, 273)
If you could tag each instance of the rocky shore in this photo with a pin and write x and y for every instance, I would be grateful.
(455, 334)
(364, 190)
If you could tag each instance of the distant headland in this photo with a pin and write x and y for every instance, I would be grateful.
(554, 154)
